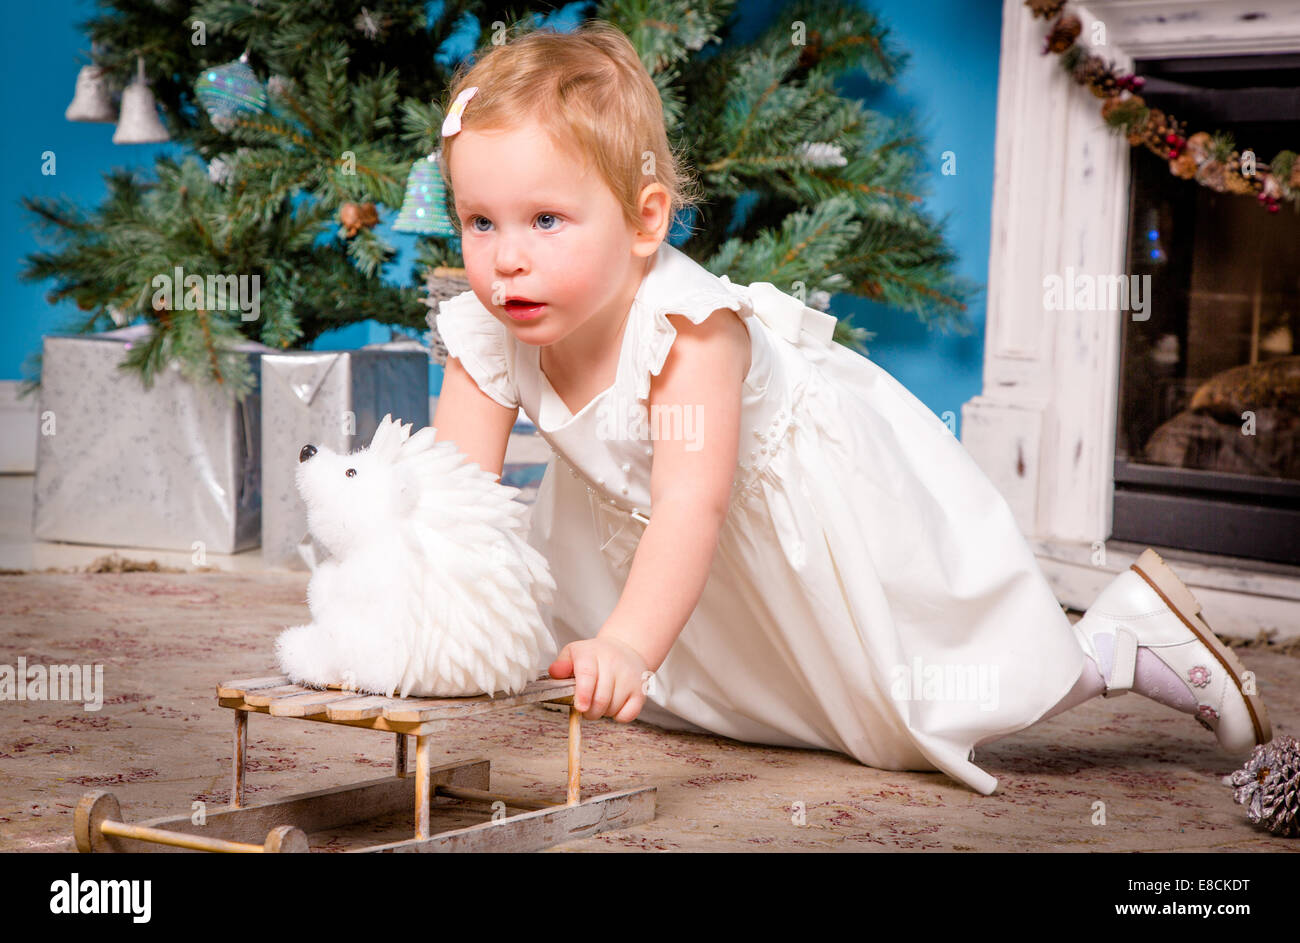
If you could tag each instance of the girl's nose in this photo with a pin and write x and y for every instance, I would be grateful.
(510, 255)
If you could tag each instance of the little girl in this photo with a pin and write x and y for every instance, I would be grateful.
(754, 531)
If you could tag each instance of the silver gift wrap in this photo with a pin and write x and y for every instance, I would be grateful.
(173, 467)
(334, 399)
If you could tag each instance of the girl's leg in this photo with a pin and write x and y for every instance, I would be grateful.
(1145, 634)
(1152, 678)
(1090, 684)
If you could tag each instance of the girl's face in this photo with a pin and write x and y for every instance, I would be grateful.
(538, 226)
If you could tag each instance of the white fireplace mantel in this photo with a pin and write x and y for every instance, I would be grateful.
(1043, 428)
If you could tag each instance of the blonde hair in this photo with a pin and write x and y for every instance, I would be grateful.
(589, 90)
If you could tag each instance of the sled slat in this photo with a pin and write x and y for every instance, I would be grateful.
(237, 687)
(306, 705)
(423, 710)
(264, 697)
(357, 708)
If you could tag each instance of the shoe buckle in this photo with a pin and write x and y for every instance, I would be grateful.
(1123, 664)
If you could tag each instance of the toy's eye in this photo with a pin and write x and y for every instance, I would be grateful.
(351, 473)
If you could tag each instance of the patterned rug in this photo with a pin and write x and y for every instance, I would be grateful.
(160, 742)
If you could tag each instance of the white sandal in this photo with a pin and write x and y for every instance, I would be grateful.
(1148, 606)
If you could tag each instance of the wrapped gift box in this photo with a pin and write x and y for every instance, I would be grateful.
(174, 467)
(333, 399)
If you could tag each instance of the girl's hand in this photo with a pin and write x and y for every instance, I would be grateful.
(609, 675)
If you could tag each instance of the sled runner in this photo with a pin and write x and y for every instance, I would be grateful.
(282, 825)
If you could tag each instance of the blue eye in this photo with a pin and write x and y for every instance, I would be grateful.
(474, 220)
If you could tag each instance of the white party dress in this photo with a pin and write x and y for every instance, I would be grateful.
(871, 592)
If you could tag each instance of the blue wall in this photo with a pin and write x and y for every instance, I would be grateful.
(950, 84)
(44, 48)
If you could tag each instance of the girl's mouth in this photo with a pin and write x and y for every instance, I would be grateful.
(521, 309)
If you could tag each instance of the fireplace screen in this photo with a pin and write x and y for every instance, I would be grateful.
(1208, 428)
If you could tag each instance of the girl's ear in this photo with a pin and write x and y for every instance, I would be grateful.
(654, 209)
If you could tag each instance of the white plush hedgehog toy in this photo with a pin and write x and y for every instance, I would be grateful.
(431, 588)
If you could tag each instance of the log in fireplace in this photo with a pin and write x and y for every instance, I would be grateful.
(1207, 431)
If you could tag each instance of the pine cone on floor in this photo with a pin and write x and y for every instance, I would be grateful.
(1269, 786)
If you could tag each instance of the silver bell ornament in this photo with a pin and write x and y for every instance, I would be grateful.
(138, 123)
(91, 101)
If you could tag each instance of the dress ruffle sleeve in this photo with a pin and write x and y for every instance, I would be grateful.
(658, 332)
(482, 345)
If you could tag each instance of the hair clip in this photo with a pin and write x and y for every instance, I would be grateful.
(451, 124)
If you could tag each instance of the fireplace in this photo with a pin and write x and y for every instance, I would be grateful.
(1207, 450)
(1063, 420)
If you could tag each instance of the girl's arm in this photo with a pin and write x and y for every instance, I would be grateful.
(475, 422)
(690, 483)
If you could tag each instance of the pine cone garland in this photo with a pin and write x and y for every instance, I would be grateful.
(1213, 174)
(1105, 84)
(1184, 165)
(1198, 145)
(1268, 785)
(1045, 8)
(1089, 69)
(1236, 182)
(1064, 32)
(1152, 134)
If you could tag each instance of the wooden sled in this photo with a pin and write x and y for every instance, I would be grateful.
(282, 825)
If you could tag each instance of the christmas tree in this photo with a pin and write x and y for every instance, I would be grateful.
(305, 120)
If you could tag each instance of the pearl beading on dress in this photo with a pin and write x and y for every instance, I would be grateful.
(597, 494)
(771, 439)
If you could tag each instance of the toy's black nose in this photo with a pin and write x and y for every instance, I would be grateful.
(307, 452)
